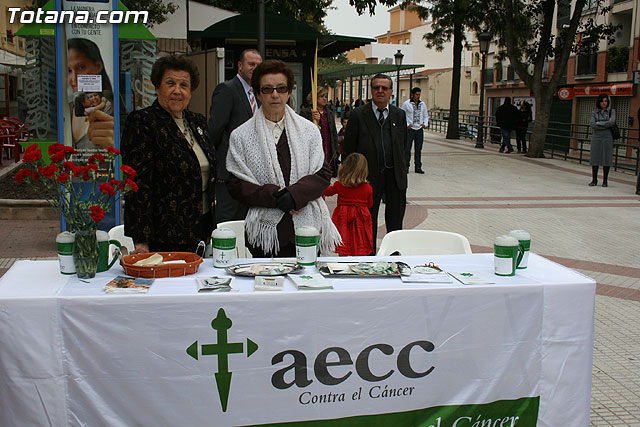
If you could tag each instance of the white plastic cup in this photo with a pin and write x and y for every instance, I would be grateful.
(307, 239)
(223, 246)
(524, 238)
(507, 254)
(64, 243)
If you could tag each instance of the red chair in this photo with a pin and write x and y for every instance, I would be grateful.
(9, 142)
(22, 128)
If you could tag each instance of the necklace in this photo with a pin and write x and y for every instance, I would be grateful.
(186, 130)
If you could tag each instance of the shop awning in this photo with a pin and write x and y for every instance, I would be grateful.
(278, 30)
(365, 70)
(12, 60)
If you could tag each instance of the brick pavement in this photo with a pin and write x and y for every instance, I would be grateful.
(480, 194)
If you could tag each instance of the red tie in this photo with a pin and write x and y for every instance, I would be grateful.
(252, 100)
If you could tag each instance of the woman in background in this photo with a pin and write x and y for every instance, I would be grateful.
(326, 120)
(602, 119)
(523, 125)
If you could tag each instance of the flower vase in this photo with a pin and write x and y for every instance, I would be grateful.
(86, 252)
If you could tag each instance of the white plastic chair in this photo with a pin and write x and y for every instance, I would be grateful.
(117, 233)
(424, 242)
(238, 228)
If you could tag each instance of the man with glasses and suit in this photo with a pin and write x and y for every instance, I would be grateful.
(378, 130)
(233, 103)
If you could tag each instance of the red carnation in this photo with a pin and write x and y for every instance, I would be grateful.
(93, 166)
(31, 147)
(122, 185)
(55, 148)
(58, 157)
(32, 155)
(35, 176)
(69, 166)
(133, 185)
(20, 176)
(63, 177)
(80, 170)
(106, 188)
(114, 182)
(69, 150)
(113, 151)
(49, 171)
(129, 171)
(99, 157)
(97, 213)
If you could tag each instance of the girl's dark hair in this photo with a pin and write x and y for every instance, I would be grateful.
(91, 51)
(271, 66)
(600, 98)
(354, 170)
(177, 63)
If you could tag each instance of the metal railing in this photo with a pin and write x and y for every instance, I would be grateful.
(570, 141)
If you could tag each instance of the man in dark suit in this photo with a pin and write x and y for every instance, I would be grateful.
(233, 103)
(378, 130)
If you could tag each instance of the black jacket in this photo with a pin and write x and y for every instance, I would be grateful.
(230, 108)
(507, 116)
(166, 212)
(363, 136)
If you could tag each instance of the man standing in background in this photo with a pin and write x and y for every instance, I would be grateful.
(507, 116)
(417, 120)
(233, 103)
(378, 131)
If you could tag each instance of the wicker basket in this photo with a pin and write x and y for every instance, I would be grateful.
(192, 260)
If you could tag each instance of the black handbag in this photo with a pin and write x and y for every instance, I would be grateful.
(615, 132)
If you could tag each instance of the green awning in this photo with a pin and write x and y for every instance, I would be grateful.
(357, 70)
(125, 31)
(277, 29)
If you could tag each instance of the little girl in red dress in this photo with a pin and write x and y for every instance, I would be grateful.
(355, 196)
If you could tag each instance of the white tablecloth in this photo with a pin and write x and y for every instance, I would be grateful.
(72, 355)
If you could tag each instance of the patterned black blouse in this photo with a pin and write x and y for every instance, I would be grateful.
(166, 212)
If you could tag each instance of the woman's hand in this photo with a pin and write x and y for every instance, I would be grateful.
(315, 115)
(101, 129)
(141, 248)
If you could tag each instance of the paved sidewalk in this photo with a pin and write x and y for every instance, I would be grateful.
(480, 194)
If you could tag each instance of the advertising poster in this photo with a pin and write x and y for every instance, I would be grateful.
(90, 88)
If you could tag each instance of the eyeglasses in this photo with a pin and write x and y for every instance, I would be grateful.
(268, 90)
(376, 88)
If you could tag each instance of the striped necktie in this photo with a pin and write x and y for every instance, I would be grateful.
(381, 116)
(252, 100)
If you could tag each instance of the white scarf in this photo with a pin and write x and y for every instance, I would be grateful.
(252, 157)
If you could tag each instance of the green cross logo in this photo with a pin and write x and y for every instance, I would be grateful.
(222, 349)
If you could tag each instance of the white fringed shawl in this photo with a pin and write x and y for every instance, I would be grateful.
(252, 157)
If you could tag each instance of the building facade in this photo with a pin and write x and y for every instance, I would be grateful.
(597, 67)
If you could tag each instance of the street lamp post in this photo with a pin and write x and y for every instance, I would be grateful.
(484, 40)
(398, 60)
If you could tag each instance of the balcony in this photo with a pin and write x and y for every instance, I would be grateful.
(618, 60)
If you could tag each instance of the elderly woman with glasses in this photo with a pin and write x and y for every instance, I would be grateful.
(170, 149)
(277, 168)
